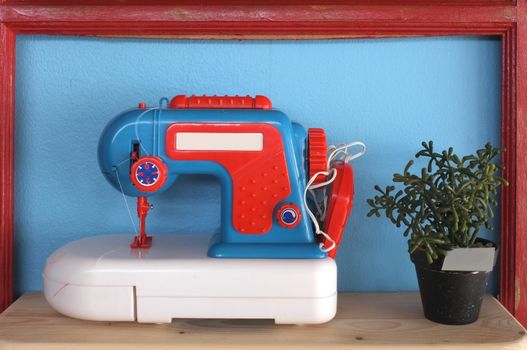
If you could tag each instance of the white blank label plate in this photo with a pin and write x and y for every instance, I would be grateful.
(212, 141)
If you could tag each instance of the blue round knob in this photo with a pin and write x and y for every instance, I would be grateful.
(288, 215)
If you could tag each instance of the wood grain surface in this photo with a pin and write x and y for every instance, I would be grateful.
(363, 321)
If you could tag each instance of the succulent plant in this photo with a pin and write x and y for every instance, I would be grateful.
(445, 205)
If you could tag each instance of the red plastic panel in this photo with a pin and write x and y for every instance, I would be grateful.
(340, 203)
(223, 102)
(260, 179)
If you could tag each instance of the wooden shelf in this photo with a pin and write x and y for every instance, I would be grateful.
(363, 321)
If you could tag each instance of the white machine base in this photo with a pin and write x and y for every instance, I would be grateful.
(101, 278)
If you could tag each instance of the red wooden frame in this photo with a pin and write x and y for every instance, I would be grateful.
(298, 20)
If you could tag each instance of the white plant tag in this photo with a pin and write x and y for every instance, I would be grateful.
(470, 259)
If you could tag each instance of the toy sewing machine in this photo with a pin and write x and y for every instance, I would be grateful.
(271, 259)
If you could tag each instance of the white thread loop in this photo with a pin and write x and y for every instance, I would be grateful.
(336, 153)
(136, 127)
(318, 231)
(124, 199)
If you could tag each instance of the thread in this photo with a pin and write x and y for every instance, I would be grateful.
(339, 152)
(137, 129)
(124, 198)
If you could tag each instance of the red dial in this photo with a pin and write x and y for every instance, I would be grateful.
(148, 174)
(317, 153)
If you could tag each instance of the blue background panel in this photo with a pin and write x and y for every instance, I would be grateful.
(392, 94)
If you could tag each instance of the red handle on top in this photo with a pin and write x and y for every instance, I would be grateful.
(220, 102)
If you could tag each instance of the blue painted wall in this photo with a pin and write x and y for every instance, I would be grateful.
(391, 94)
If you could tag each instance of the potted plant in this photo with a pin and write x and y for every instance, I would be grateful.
(442, 209)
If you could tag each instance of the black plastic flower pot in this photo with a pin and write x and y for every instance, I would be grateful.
(449, 297)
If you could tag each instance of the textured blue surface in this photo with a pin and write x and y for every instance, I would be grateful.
(391, 94)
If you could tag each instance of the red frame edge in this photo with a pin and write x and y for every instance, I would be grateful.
(7, 113)
(516, 201)
(293, 22)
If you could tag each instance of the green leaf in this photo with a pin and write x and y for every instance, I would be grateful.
(446, 203)
(407, 167)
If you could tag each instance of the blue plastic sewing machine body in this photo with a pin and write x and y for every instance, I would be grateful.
(249, 150)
